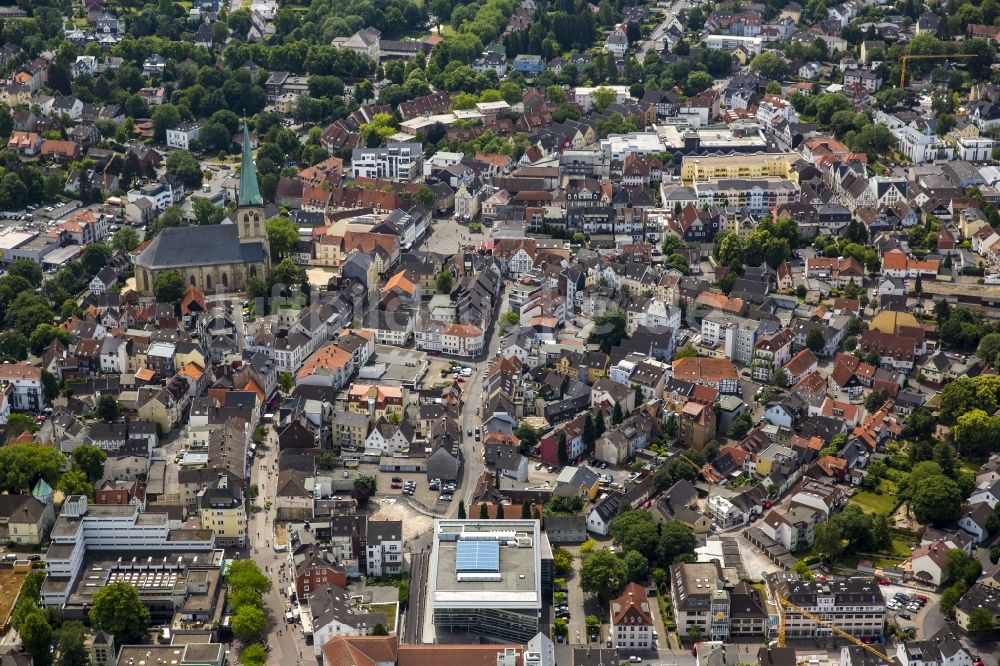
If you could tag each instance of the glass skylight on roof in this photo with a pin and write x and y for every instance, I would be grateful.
(477, 557)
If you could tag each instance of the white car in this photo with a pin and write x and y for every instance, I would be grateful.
(634, 660)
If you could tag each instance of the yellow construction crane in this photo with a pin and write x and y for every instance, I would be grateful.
(782, 602)
(906, 58)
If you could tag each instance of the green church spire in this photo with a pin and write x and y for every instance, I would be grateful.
(249, 189)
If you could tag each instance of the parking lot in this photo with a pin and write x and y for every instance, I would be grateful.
(915, 618)
(422, 493)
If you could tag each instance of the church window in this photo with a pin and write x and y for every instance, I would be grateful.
(253, 271)
(225, 280)
(208, 282)
(192, 281)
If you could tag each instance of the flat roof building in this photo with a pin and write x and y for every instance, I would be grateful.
(488, 576)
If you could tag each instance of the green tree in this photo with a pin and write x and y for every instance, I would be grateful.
(444, 282)
(13, 346)
(125, 240)
(561, 450)
(989, 348)
(71, 645)
(36, 634)
(686, 351)
(168, 287)
(244, 597)
(90, 460)
(484, 512)
(562, 561)
(603, 573)
(288, 274)
(43, 335)
(528, 435)
(75, 482)
(118, 610)
(676, 539)
(980, 621)
(461, 510)
(814, 339)
(29, 270)
(248, 623)
(95, 257)
(206, 213)
(165, 116)
(20, 423)
(962, 567)
(637, 565)
(108, 408)
(950, 597)
(937, 501)
(26, 312)
(253, 655)
(740, 426)
(282, 236)
(770, 65)
(609, 330)
(424, 196)
(526, 509)
(944, 456)
(602, 98)
(616, 414)
(589, 432)
(22, 465)
(829, 542)
(185, 166)
(286, 381)
(635, 530)
(246, 575)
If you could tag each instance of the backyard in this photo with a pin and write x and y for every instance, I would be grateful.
(10, 586)
(871, 502)
(886, 499)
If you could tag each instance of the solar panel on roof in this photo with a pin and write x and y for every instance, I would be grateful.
(477, 556)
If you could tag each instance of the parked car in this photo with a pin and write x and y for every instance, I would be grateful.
(904, 616)
(634, 660)
(397, 486)
(397, 479)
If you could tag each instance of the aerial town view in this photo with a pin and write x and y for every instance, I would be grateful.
(499, 333)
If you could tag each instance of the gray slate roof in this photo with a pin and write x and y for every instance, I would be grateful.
(178, 247)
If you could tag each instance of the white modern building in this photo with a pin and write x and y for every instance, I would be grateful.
(974, 149)
(733, 337)
(752, 45)
(26, 384)
(182, 135)
(384, 548)
(488, 577)
(397, 161)
(122, 528)
(854, 605)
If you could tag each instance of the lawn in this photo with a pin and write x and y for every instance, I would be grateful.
(970, 467)
(390, 614)
(900, 547)
(872, 503)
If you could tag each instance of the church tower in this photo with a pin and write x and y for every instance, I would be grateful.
(250, 206)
